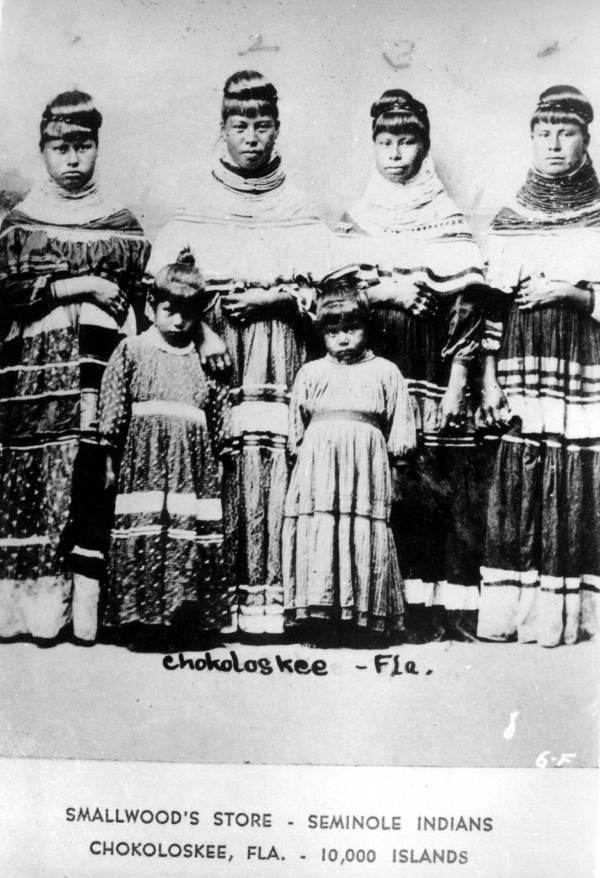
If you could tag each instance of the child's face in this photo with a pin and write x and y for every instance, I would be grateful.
(346, 342)
(250, 141)
(70, 163)
(176, 323)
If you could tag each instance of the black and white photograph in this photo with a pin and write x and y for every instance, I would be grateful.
(299, 437)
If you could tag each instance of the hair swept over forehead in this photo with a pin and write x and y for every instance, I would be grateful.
(249, 93)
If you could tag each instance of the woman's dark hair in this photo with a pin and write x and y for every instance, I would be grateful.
(70, 116)
(563, 105)
(397, 112)
(248, 93)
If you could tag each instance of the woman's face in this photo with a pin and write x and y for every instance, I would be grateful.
(70, 163)
(250, 141)
(558, 147)
(398, 156)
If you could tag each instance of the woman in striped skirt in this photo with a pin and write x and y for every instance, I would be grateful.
(254, 236)
(541, 578)
(425, 274)
(71, 265)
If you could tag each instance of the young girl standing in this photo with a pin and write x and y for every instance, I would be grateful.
(162, 421)
(254, 235)
(350, 418)
(71, 264)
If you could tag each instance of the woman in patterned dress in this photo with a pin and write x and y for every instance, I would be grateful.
(71, 264)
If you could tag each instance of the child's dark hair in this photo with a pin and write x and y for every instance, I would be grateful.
(181, 284)
(397, 112)
(249, 93)
(70, 116)
(340, 301)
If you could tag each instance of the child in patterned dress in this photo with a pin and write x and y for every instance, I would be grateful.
(162, 421)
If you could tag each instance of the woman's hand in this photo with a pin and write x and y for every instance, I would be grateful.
(397, 292)
(213, 351)
(108, 296)
(494, 410)
(414, 297)
(453, 408)
(396, 484)
(540, 292)
(109, 474)
(244, 305)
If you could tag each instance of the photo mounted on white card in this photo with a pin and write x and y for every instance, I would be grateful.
(299, 437)
(299, 364)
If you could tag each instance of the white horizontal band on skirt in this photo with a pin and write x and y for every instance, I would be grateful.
(529, 578)
(170, 409)
(68, 316)
(43, 443)
(41, 540)
(450, 595)
(259, 589)
(545, 414)
(259, 417)
(495, 574)
(155, 530)
(551, 366)
(47, 393)
(263, 624)
(86, 553)
(202, 508)
(262, 610)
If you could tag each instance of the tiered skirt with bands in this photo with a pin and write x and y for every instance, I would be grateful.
(339, 555)
(541, 579)
(164, 422)
(541, 575)
(426, 245)
(266, 356)
(53, 520)
(245, 241)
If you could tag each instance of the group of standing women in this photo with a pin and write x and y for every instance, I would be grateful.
(447, 453)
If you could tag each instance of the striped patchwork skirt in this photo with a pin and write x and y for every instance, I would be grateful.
(166, 558)
(541, 576)
(439, 525)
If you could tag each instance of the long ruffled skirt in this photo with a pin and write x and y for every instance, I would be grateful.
(541, 578)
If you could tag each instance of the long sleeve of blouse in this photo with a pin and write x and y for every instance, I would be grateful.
(25, 295)
(402, 435)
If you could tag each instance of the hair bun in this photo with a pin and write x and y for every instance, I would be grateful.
(566, 100)
(71, 113)
(246, 86)
(396, 100)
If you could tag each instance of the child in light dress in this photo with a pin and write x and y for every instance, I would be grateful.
(351, 424)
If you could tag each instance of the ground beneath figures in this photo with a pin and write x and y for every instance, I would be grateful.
(435, 704)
